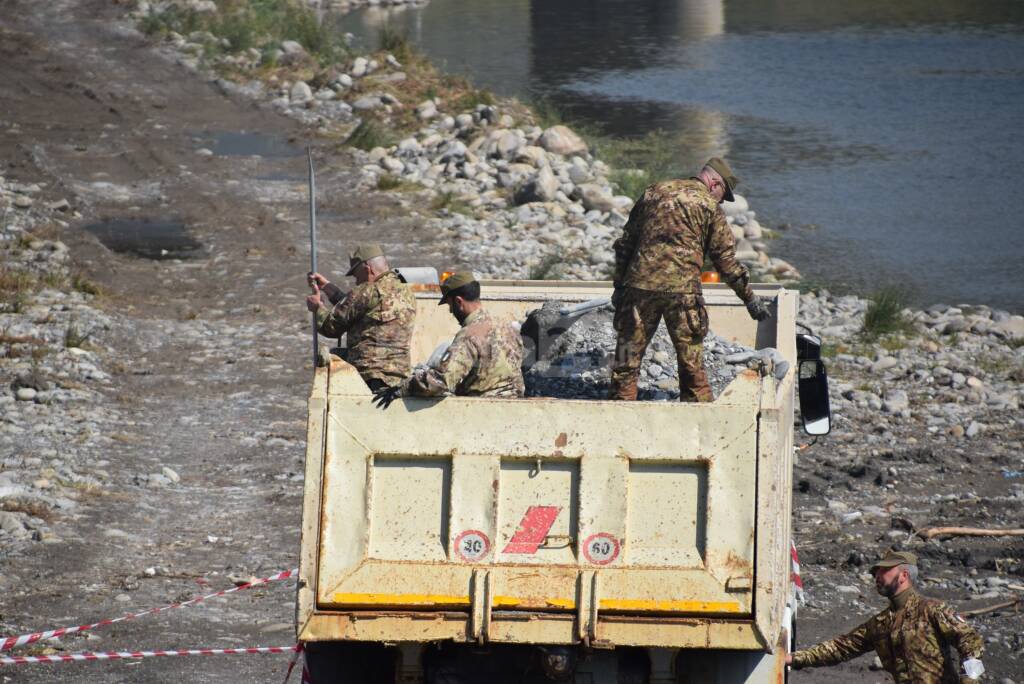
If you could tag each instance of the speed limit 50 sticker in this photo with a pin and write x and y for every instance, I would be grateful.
(601, 548)
(472, 545)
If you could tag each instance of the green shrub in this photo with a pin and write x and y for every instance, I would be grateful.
(75, 336)
(546, 268)
(397, 183)
(449, 201)
(630, 182)
(369, 134)
(258, 23)
(396, 42)
(885, 313)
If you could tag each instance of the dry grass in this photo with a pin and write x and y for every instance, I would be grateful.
(36, 509)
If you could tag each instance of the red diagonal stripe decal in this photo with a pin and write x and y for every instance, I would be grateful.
(533, 528)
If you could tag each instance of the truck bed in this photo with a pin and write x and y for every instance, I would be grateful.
(551, 521)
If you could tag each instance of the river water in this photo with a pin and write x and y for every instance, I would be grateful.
(886, 137)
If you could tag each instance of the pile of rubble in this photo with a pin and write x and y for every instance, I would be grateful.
(570, 356)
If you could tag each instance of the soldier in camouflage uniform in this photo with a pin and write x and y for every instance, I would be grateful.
(912, 636)
(377, 316)
(484, 359)
(658, 262)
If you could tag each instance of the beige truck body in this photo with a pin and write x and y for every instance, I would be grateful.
(547, 521)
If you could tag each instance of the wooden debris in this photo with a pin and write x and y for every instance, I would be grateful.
(929, 532)
(991, 609)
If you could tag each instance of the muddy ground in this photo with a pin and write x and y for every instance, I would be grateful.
(210, 363)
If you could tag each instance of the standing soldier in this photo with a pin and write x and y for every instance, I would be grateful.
(658, 261)
(377, 315)
(912, 635)
(484, 359)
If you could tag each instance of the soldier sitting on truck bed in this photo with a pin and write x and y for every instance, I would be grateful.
(658, 262)
(378, 315)
(483, 360)
(911, 636)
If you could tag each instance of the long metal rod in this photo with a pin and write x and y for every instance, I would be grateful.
(312, 245)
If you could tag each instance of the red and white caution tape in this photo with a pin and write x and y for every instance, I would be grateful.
(24, 639)
(127, 655)
(798, 583)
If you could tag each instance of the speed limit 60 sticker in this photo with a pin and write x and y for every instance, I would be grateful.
(601, 548)
(472, 545)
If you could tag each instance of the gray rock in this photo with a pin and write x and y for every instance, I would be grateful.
(25, 394)
(884, 364)
(1010, 328)
(426, 110)
(596, 197)
(170, 474)
(973, 429)
(292, 52)
(956, 325)
(359, 67)
(895, 401)
(562, 140)
(542, 188)
(300, 93)
(368, 102)
(736, 208)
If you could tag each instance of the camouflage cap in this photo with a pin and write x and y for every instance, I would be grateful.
(363, 253)
(894, 558)
(731, 181)
(454, 282)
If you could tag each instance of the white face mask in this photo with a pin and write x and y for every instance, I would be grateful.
(973, 668)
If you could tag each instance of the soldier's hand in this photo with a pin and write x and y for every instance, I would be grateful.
(313, 300)
(316, 281)
(617, 296)
(757, 309)
(383, 397)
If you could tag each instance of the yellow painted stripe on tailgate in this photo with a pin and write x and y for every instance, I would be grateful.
(512, 602)
(671, 606)
(401, 600)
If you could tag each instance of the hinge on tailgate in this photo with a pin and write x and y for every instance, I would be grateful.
(481, 599)
(588, 600)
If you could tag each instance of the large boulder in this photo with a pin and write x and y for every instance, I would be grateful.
(562, 140)
(300, 93)
(596, 196)
(541, 188)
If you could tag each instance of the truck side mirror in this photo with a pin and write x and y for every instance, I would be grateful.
(812, 383)
(814, 407)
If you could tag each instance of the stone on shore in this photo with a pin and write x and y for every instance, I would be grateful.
(562, 140)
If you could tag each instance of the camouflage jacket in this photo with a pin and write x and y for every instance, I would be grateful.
(911, 639)
(483, 360)
(671, 228)
(378, 319)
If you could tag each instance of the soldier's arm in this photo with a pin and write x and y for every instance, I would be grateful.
(835, 651)
(626, 244)
(958, 632)
(336, 322)
(455, 365)
(722, 250)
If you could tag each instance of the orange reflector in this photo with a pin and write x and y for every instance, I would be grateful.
(709, 277)
(446, 275)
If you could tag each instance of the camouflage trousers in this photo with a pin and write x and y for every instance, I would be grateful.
(636, 321)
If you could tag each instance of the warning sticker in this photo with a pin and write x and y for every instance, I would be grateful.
(472, 545)
(601, 548)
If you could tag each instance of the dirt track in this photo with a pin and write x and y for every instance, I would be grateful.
(211, 352)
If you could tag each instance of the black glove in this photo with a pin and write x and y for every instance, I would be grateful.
(757, 309)
(383, 397)
(617, 296)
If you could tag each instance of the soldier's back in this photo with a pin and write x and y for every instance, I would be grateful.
(379, 344)
(673, 219)
(498, 351)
